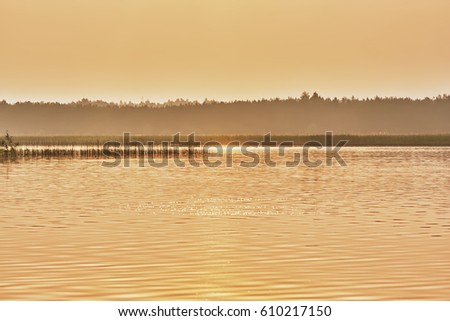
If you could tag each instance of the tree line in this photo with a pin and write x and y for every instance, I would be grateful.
(306, 114)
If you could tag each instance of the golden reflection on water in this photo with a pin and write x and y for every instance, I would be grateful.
(377, 229)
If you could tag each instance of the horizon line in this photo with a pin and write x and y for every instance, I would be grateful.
(226, 101)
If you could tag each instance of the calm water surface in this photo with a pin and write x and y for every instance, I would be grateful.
(376, 229)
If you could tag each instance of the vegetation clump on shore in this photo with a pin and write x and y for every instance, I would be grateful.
(8, 146)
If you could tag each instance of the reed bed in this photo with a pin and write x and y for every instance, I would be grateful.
(92, 146)
(96, 152)
(298, 140)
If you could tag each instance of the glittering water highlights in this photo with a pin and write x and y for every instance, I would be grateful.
(378, 229)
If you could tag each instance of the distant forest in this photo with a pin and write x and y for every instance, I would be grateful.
(307, 114)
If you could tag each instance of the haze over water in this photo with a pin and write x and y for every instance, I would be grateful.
(376, 229)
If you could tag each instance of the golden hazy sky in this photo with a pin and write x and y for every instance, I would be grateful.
(222, 49)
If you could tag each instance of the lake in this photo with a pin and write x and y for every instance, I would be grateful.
(377, 229)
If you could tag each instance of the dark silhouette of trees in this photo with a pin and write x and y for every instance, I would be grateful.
(305, 114)
(305, 96)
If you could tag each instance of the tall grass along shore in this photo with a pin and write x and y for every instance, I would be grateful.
(298, 140)
(92, 146)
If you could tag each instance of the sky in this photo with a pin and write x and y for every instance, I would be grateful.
(222, 49)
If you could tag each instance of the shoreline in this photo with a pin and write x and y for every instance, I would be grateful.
(377, 140)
